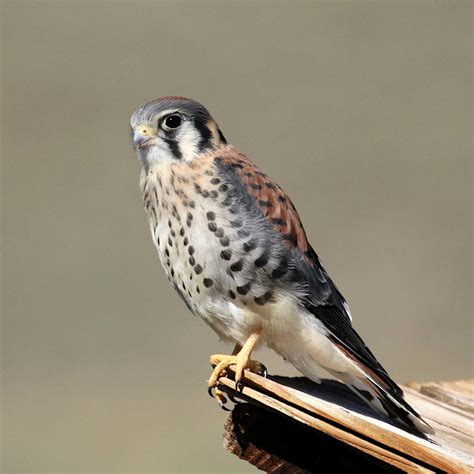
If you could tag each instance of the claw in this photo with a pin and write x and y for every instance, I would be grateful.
(222, 406)
(209, 391)
(221, 399)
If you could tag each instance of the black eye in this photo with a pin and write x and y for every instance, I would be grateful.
(172, 121)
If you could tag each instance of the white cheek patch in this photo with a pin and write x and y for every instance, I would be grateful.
(188, 140)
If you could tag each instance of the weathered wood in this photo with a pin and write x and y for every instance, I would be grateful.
(336, 422)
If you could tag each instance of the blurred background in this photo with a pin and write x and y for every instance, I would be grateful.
(362, 111)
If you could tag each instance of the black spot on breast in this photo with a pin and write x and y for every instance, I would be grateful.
(220, 232)
(170, 242)
(232, 294)
(181, 231)
(198, 269)
(213, 194)
(226, 254)
(237, 266)
(215, 181)
(244, 289)
(243, 233)
(192, 262)
(207, 282)
(185, 241)
(236, 223)
(191, 250)
(192, 204)
(262, 260)
(223, 188)
(205, 194)
(225, 241)
(167, 252)
(172, 272)
(211, 216)
(227, 201)
(250, 245)
(198, 289)
(212, 226)
(281, 270)
(265, 298)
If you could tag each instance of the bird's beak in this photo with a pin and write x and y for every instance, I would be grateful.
(141, 136)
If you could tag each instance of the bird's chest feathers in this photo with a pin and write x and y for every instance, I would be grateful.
(219, 260)
(179, 227)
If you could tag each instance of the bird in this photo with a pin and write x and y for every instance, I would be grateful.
(235, 250)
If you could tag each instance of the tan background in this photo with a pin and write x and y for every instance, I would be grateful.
(362, 111)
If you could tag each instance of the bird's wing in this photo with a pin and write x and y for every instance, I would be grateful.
(323, 299)
(320, 296)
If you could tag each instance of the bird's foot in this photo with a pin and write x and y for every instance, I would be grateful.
(221, 362)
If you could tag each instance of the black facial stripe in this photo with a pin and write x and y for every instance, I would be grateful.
(174, 147)
(206, 135)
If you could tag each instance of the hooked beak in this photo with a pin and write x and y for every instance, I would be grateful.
(142, 135)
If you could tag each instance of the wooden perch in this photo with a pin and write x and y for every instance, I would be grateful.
(294, 425)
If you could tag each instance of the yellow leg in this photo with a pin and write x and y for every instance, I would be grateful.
(240, 358)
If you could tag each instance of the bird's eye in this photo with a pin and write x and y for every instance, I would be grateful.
(171, 122)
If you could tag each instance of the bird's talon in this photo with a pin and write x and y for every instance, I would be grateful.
(223, 407)
(221, 399)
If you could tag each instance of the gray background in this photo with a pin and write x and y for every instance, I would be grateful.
(362, 111)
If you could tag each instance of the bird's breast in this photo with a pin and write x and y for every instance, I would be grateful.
(221, 258)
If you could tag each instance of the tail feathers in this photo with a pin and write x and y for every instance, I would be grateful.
(389, 404)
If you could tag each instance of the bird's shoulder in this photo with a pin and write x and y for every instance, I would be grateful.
(267, 196)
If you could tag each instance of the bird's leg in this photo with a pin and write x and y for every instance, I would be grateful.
(240, 358)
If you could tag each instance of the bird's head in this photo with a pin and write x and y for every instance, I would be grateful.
(174, 128)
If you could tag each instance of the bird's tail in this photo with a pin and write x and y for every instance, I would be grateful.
(387, 402)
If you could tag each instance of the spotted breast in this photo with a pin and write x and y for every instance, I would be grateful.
(218, 249)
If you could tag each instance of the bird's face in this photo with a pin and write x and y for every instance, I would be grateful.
(174, 129)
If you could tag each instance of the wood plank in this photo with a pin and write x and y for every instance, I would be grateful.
(454, 394)
(342, 417)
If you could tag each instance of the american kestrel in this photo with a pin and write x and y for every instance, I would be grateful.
(235, 250)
